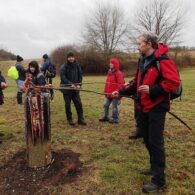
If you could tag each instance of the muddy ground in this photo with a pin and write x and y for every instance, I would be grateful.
(17, 178)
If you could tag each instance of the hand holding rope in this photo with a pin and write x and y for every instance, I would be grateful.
(115, 94)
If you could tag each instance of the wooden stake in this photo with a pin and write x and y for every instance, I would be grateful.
(38, 140)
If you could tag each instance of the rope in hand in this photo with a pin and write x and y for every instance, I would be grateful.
(77, 89)
(95, 92)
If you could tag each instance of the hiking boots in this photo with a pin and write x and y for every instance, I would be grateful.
(152, 188)
(82, 122)
(70, 122)
(104, 119)
(113, 121)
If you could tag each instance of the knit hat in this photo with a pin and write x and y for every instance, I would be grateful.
(19, 58)
(45, 56)
(70, 54)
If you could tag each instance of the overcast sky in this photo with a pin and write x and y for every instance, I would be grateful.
(31, 28)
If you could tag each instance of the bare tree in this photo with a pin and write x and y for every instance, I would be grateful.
(106, 28)
(161, 17)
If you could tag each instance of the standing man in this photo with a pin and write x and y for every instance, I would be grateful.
(71, 77)
(21, 77)
(153, 91)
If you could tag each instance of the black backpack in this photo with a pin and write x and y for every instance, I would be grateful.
(51, 71)
(178, 92)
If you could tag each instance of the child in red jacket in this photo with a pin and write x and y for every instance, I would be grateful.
(114, 81)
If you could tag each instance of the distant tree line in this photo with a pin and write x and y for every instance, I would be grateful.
(5, 55)
(93, 62)
(109, 33)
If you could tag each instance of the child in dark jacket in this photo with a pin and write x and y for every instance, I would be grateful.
(37, 77)
(3, 85)
(21, 77)
(114, 81)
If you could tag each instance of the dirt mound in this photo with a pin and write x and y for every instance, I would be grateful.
(17, 178)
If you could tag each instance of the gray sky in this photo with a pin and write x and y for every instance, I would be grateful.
(31, 28)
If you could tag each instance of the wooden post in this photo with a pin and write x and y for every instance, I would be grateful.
(38, 129)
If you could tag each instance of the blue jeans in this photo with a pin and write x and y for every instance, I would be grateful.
(115, 108)
(20, 85)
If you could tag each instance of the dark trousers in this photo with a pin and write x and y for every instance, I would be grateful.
(49, 80)
(1, 98)
(75, 97)
(137, 119)
(19, 97)
(152, 124)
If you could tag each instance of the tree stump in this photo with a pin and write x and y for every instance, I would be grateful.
(38, 129)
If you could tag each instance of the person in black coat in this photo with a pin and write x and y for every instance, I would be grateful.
(71, 76)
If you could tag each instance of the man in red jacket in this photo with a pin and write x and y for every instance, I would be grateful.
(153, 90)
(114, 81)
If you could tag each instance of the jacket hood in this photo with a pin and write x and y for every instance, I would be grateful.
(162, 49)
(115, 61)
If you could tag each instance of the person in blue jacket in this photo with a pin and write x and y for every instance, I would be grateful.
(44, 67)
(49, 71)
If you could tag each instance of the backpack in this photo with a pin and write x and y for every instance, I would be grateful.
(13, 73)
(51, 71)
(176, 93)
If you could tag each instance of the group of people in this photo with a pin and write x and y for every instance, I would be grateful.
(23, 73)
(150, 91)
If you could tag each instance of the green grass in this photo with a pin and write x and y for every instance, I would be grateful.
(114, 161)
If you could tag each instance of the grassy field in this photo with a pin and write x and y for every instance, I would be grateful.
(111, 163)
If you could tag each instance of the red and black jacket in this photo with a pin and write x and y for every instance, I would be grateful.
(159, 86)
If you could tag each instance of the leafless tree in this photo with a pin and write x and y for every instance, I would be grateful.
(161, 17)
(106, 28)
